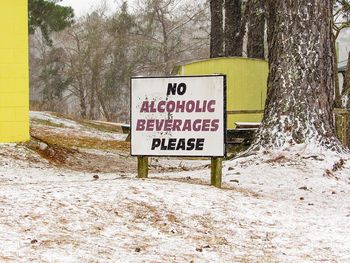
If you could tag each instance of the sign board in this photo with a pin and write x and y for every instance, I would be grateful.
(178, 116)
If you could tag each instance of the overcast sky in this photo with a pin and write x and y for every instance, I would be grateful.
(82, 7)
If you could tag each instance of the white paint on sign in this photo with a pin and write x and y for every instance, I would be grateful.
(178, 116)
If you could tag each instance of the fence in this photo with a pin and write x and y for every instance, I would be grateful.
(342, 125)
(341, 116)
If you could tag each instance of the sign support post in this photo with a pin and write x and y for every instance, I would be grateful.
(216, 171)
(142, 167)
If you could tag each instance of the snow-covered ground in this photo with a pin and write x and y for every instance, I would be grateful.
(73, 127)
(272, 208)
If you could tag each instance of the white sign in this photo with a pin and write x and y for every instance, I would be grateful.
(178, 116)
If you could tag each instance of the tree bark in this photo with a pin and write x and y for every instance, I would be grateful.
(233, 28)
(216, 30)
(299, 106)
(337, 100)
(346, 101)
(346, 87)
(256, 29)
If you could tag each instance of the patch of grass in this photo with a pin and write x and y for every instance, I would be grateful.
(104, 127)
(70, 141)
(100, 126)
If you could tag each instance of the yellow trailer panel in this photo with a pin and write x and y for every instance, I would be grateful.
(246, 85)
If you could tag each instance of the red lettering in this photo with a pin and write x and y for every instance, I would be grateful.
(176, 125)
(152, 107)
(161, 106)
(140, 125)
(150, 125)
(206, 125)
(214, 125)
(167, 125)
(187, 125)
(144, 106)
(180, 106)
(190, 106)
(197, 125)
(211, 105)
(159, 125)
(170, 107)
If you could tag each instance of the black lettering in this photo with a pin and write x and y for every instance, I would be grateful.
(172, 144)
(163, 146)
(181, 89)
(155, 143)
(191, 144)
(200, 144)
(181, 145)
(171, 89)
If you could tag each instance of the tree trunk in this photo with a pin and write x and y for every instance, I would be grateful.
(92, 100)
(216, 30)
(256, 29)
(346, 87)
(233, 28)
(337, 101)
(346, 102)
(82, 100)
(299, 106)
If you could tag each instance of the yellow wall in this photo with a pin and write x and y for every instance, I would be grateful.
(14, 72)
(246, 84)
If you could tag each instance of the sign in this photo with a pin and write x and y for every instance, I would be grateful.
(178, 116)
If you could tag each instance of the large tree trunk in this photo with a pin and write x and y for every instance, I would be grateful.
(233, 28)
(256, 29)
(346, 87)
(337, 100)
(346, 101)
(216, 30)
(300, 85)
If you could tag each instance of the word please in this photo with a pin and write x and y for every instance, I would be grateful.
(178, 144)
(177, 125)
(178, 106)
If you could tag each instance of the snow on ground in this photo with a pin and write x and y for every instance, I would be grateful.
(46, 116)
(272, 208)
(275, 211)
(74, 126)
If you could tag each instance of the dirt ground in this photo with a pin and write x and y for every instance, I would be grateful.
(89, 148)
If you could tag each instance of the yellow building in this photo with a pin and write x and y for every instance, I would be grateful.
(14, 71)
(246, 85)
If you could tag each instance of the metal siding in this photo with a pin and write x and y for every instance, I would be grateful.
(14, 71)
(246, 84)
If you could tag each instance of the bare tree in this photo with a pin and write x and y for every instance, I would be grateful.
(101, 52)
(341, 20)
(234, 28)
(256, 29)
(170, 32)
(217, 30)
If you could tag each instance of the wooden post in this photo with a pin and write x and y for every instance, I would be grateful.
(346, 122)
(216, 171)
(142, 167)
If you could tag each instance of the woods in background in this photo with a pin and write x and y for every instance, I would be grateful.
(84, 70)
(238, 28)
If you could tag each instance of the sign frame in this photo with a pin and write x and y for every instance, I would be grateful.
(224, 90)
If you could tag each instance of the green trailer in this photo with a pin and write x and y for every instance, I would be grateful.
(246, 85)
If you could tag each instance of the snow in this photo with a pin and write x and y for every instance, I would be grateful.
(46, 116)
(56, 215)
(75, 127)
(291, 206)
